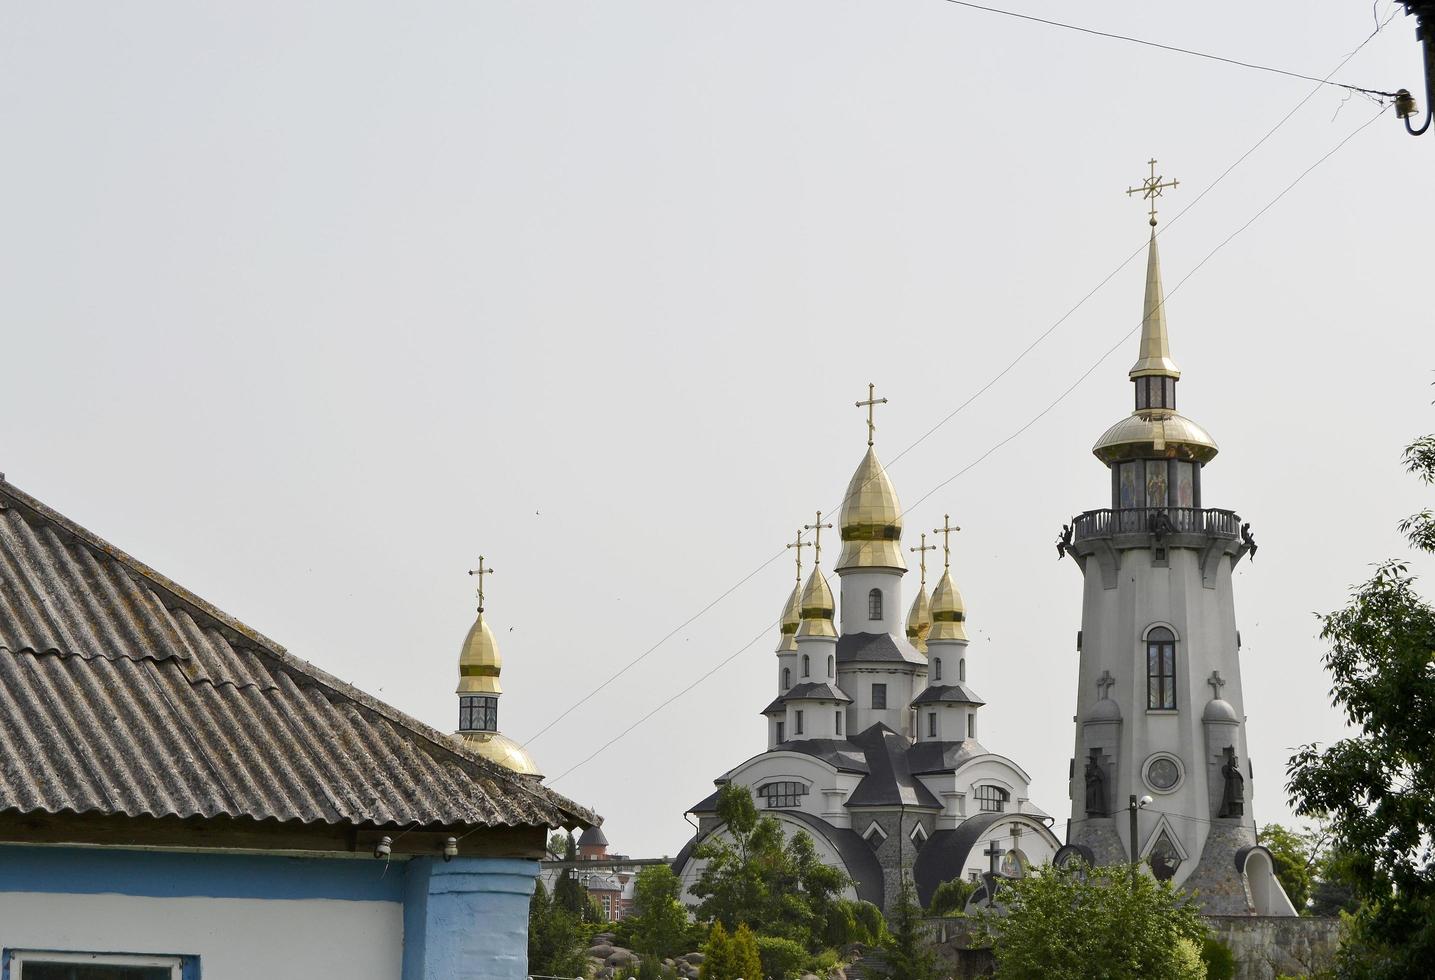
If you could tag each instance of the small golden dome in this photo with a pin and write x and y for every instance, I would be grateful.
(502, 750)
(479, 663)
(1158, 433)
(948, 612)
(791, 619)
(871, 519)
(818, 607)
(919, 620)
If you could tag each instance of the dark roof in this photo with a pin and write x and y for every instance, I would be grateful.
(889, 780)
(932, 757)
(944, 855)
(708, 804)
(122, 693)
(948, 693)
(856, 853)
(876, 647)
(838, 753)
(820, 691)
(778, 703)
(593, 837)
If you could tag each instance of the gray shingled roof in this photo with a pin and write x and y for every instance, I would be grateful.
(877, 648)
(889, 780)
(948, 693)
(817, 691)
(123, 693)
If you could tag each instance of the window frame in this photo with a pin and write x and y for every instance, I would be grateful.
(1161, 669)
(806, 665)
(781, 732)
(786, 678)
(790, 790)
(995, 794)
(931, 724)
(839, 721)
(876, 688)
(831, 667)
(936, 668)
(478, 713)
(797, 721)
(18, 957)
(874, 605)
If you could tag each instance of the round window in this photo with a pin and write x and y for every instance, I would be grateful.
(1163, 773)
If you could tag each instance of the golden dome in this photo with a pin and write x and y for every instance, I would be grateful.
(502, 750)
(818, 607)
(948, 613)
(871, 519)
(479, 663)
(791, 619)
(1155, 432)
(919, 621)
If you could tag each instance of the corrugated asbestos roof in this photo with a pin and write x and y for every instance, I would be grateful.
(123, 693)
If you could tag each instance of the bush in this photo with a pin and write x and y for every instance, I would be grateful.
(781, 958)
(950, 898)
(824, 962)
(1220, 961)
(649, 968)
(874, 926)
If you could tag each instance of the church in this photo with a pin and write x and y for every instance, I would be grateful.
(873, 736)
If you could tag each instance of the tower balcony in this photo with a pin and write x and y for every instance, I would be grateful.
(1113, 522)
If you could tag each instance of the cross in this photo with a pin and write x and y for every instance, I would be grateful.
(946, 532)
(993, 853)
(816, 538)
(1217, 682)
(871, 405)
(1105, 683)
(922, 553)
(799, 544)
(480, 571)
(1151, 188)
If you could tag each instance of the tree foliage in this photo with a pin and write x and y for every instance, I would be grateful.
(782, 959)
(908, 953)
(746, 961)
(555, 939)
(1293, 858)
(951, 897)
(659, 923)
(1078, 923)
(568, 894)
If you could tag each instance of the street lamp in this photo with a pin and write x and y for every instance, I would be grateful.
(1134, 806)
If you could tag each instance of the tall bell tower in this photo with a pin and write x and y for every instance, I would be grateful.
(1160, 717)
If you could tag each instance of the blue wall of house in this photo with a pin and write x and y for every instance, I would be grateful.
(467, 918)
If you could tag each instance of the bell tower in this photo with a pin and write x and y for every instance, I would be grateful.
(1160, 718)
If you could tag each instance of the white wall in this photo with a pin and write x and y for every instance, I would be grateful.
(235, 938)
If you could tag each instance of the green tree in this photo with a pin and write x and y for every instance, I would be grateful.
(555, 941)
(1079, 923)
(1291, 853)
(950, 898)
(746, 962)
(568, 894)
(909, 954)
(782, 959)
(717, 955)
(658, 926)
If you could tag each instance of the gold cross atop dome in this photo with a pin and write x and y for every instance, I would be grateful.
(816, 538)
(1151, 188)
(871, 405)
(480, 571)
(798, 544)
(922, 556)
(946, 532)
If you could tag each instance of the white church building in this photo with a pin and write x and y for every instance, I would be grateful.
(873, 744)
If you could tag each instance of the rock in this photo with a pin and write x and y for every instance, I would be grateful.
(600, 951)
(621, 957)
(694, 957)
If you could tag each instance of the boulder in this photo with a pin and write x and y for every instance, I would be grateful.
(600, 951)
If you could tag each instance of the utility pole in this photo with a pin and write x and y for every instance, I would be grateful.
(1405, 105)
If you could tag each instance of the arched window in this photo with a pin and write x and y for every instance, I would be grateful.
(806, 666)
(831, 667)
(874, 604)
(993, 799)
(937, 669)
(786, 678)
(1160, 668)
(962, 670)
(784, 793)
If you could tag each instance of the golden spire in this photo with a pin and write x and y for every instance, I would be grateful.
(818, 607)
(816, 543)
(479, 663)
(949, 613)
(946, 532)
(792, 609)
(871, 405)
(1155, 357)
(919, 618)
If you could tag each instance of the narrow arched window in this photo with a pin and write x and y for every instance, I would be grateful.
(786, 678)
(937, 669)
(1160, 668)
(962, 670)
(806, 666)
(831, 667)
(874, 604)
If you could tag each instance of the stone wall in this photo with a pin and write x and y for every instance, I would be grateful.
(1269, 946)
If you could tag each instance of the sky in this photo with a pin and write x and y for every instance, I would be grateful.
(308, 305)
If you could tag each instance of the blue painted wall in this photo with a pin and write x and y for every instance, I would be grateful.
(467, 919)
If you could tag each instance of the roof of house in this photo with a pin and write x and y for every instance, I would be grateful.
(815, 691)
(889, 780)
(122, 693)
(877, 648)
(948, 694)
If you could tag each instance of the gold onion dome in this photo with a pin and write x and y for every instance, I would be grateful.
(479, 662)
(791, 619)
(919, 620)
(818, 607)
(1155, 432)
(948, 613)
(502, 750)
(871, 520)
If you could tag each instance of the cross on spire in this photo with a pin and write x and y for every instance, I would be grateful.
(922, 554)
(946, 531)
(1217, 682)
(817, 538)
(798, 544)
(1105, 683)
(1151, 188)
(480, 571)
(871, 405)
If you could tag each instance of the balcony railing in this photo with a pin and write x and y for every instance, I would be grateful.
(1157, 520)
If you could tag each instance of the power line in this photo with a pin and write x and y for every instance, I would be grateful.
(1038, 417)
(1170, 47)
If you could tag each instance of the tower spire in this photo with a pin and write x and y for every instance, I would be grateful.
(1155, 356)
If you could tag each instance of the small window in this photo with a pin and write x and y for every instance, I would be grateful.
(1160, 669)
(993, 799)
(93, 966)
(874, 604)
(879, 696)
(786, 793)
(806, 666)
(971, 726)
(875, 835)
(786, 678)
(831, 667)
(962, 670)
(839, 723)
(931, 724)
(918, 836)
(478, 713)
(781, 732)
(797, 721)
(937, 669)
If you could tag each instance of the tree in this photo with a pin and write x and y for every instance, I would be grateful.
(555, 942)
(659, 924)
(782, 959)
(717, 955)
(950, 898)
(1080, 923)
(909, 955)
(1292, 855)
(568, 894)
(746, 962)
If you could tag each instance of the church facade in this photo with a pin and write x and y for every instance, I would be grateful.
(872, 738)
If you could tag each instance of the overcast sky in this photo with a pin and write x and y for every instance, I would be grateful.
(308, 305)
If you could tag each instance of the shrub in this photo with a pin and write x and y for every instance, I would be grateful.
(781, 958)
(874, 927)
(1220, 961)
